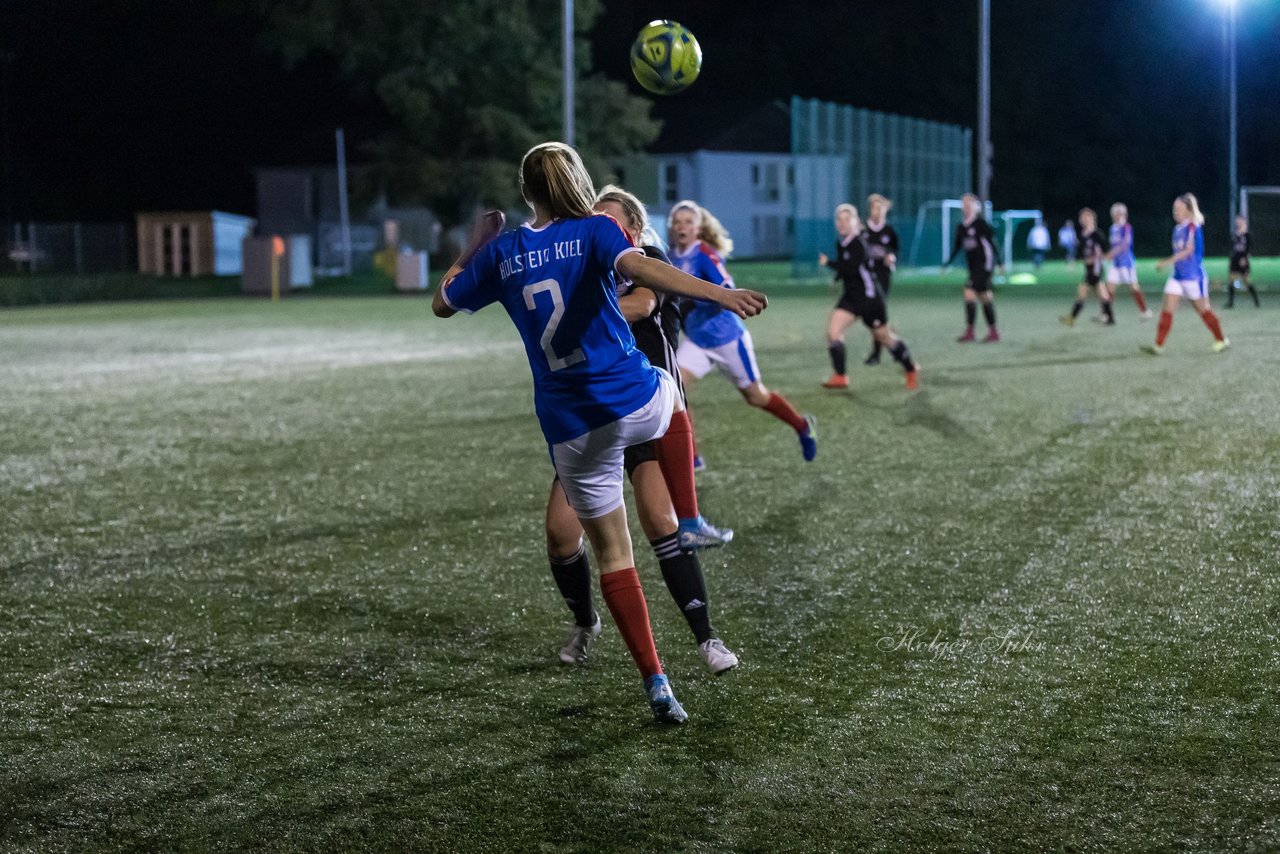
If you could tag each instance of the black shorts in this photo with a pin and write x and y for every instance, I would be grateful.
(1092, 277)
(870, 310)
(980, 281)
(1239, 265)
(633, 456)
(884, 278)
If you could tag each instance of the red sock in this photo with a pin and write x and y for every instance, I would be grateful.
(675, 456)
(1163, 327)
(778, 407)
(1211, 320)
(625, 598)
(1140, 300)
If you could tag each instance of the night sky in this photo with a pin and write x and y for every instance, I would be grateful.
(141, 104)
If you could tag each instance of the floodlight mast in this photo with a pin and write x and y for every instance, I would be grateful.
(1233, 176)
(984, 100)
(568, 73)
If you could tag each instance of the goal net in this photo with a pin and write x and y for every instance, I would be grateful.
(1261, 206)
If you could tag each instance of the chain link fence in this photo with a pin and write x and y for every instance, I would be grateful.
(69, 247)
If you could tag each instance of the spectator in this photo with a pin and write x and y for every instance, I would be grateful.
(1038, 242)
(1067, 240)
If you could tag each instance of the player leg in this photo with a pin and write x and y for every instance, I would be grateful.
(591, 469)
(681, 569)
(737, 360)
(873, 358)
(839, 321)
(572, 573)
(1105, 296)
(1172, 296)
(989, 313)
(1082, 292)
(898, 350)
(1205, 310)
(1138, 297)
(970, 312)
(693, 363)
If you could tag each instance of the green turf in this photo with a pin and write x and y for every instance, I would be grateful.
(271, 576)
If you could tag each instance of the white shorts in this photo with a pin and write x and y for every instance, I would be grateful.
(1192, 289)
(590, 466)
(1122, 276)
(736, 360)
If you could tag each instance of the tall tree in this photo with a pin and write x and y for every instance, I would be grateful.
(472, 84)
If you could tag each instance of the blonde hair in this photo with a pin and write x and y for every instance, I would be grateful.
(1119, 209)
(876, 198)
(631, 206)
(853, 212)
(553, 178)
(1189, 200)
(686, 205)
(714, 234)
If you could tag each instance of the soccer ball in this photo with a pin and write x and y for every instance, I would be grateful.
(665, 58)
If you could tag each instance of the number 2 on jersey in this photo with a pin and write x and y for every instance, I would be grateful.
(552, 287)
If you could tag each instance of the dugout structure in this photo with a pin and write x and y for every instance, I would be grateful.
(842, 153)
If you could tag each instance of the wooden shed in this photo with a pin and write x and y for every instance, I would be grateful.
(200, 243)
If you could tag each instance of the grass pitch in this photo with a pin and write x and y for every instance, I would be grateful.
(273, 576)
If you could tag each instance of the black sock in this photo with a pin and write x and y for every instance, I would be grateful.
(1253, 292)
(1077, 308)
(573, 577)
(1106, 309)
(875, 347)
(989, 312)
(902, 355)
(838, 361)
(682, 571)
(970, 312)
(1231, 293)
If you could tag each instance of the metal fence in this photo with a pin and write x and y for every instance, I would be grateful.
(843, 154)
(70, 247)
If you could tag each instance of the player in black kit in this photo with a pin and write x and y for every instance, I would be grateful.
(1238, 271)
(882, 251)
(978, 240)
(1093, 247)
(861, 297)
(660, 490)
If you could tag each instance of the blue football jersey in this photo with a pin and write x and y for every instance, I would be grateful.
(1191, 268)
(707, 324)
(557, 285)
(1122, 234)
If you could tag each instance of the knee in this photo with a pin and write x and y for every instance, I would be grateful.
(561, 546)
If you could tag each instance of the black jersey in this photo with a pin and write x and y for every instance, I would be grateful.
(658, 334)
(881, 243)
(853, 268)
(1092, 247)
(1240, 251)
(978, 240)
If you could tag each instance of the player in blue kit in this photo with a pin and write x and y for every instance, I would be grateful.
(1124, 266)
(660, 473)
(1188, 279)
(595, 394)
(715, 338)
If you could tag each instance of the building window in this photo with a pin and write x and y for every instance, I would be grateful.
(671, 183)
(766, 182)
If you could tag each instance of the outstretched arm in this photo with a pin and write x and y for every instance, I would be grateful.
(662, 277)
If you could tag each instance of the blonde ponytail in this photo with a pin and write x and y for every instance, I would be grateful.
(712, 233)
(1189, 200)
(553, 178)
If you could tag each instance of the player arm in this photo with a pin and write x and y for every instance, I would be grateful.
(957, 245)
(439, 304)
(1183, 253)
(990, 234)
(663, 277)
(638, 304)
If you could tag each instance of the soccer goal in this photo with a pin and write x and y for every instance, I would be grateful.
(1261, 206)
(935, 225)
